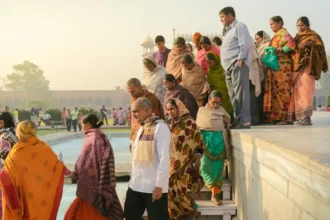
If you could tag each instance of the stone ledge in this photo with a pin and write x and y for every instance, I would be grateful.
(286, 147)
(277, 160)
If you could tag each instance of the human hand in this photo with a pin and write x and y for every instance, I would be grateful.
(157, 193)
(240, 63)
(198, 161)
(209, 89)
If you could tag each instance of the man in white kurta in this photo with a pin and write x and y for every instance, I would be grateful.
(148, 185)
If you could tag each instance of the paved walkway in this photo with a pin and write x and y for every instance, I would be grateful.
(312, 141)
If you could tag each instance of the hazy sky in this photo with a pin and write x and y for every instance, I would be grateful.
(95, 44)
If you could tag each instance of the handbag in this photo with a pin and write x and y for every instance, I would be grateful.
(270, 58)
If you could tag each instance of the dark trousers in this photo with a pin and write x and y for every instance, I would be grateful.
(74, 124)
(237, 80)
(136, 203)
(68, 124)
(104, 118)
(79, 126)
(254, 105)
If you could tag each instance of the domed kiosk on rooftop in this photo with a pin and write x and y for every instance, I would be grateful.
(148, 46)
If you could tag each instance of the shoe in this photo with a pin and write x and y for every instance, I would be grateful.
(240, 126)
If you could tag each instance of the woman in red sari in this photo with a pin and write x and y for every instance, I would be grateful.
(309, 62)
(278, 83)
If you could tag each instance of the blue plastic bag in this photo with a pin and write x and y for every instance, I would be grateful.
(270, 58)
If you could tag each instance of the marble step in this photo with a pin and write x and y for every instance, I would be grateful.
(209, 211)
(205, 193)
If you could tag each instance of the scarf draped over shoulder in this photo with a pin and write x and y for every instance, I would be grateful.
(195, 81)
(310, 53)
(32, 175)
(95, 169)
(213, 120)
(174, 62)
(153, 80)
(263, 45)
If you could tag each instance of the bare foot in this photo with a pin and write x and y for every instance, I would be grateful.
(216, 201)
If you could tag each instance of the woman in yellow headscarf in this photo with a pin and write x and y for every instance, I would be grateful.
(32, 179)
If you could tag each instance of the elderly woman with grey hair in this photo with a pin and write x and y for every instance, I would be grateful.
(213, 121)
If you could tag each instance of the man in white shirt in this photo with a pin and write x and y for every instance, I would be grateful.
(148, 185)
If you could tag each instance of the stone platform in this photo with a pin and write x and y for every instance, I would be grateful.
(282, 172)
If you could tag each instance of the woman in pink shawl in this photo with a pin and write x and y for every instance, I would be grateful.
(207, 47)
(95, 172)
(121, 116)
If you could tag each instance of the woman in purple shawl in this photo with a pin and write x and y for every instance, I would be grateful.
(175, 90)
(95, 172)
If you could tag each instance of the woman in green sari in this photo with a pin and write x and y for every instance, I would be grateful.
(216, 78)
(213, 121)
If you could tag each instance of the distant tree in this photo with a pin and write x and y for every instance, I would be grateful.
(29, 78)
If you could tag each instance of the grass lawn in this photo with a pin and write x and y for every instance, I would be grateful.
(106, 130)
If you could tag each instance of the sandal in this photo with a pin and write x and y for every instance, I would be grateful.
(305, 122)
(240, 126)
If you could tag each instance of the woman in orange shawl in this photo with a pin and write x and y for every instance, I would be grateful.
(32, 179)
(309, 62)
(278, 83)
(174, 64)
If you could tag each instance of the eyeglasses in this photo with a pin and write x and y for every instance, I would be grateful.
(216, 103)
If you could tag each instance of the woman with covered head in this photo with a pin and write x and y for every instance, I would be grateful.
(32, 178)
(194, 79)
(7, 140)
(262, 42)
(207, 46)
(196, 38)
(174, 90)
(278, 82)
(309, 62)
(95, 172)
(174, 64)
(153, 77)
(213, 121)
(216, 78)
(185, 161)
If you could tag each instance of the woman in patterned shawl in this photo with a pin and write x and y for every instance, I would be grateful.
(185, 162)
(213, 121)
(174, 60)
(216, 78)
(95, 171)
(278, 83)
(309, 62)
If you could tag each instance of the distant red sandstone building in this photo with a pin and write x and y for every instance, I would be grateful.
(71, 98)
